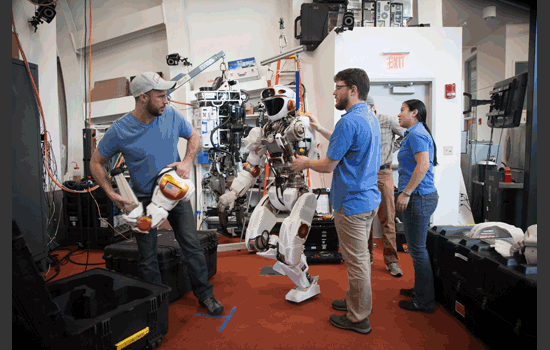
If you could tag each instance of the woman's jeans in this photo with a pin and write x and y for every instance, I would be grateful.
(416, 220)
(182, 220)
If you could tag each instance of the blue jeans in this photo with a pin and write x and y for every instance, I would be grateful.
(416, 220)
(182, 220)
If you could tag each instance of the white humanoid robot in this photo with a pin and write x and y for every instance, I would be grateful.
(168, 190)
(279, 140)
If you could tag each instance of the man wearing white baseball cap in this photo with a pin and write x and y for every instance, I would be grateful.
(148, 138)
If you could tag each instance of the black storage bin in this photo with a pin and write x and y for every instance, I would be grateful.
(96, 309)
(105, 309)
(37, 321)
(484, 290)
(83, 219)
(122, 257)
(322, 244)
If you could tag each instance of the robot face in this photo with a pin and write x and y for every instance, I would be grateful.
(279, 101)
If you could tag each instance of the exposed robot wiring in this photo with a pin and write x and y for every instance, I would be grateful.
(101, 218)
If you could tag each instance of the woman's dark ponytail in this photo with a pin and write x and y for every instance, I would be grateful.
(421, 117)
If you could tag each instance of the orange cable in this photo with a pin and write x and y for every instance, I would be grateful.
(42, 113)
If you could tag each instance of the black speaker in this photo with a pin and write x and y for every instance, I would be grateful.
(313, 23)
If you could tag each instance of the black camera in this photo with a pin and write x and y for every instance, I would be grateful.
(43, 14)
(173, 59)
(347, 22)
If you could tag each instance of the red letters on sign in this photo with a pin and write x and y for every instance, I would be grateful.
(395, 62)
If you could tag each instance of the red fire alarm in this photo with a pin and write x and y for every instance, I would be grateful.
(450, 90)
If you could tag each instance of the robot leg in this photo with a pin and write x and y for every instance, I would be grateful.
(169, 190)
(294, 231)
(257, 236)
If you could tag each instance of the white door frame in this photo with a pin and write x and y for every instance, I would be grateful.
(430, 92)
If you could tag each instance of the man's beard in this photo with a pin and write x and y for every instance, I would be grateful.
(153, 111)
(342, 103)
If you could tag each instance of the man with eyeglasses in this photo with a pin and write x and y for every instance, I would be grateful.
(148, 137)
(354, 157)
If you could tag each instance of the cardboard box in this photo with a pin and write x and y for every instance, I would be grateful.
(14, 47)
(111, 88)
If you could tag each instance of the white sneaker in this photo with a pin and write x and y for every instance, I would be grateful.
(394, 269)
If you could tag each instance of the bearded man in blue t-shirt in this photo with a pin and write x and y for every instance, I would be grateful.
(353, 156)
(148, 137)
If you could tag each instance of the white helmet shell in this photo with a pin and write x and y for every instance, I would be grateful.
(279, 101)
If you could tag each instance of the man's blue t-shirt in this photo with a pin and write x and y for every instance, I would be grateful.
(417, 139)
(355, 143)
(147, 149)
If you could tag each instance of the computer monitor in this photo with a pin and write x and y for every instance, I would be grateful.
(507, 102)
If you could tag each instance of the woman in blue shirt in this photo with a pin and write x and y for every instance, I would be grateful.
(417, 200)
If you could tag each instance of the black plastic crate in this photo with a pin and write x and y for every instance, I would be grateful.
(122, 257)
(89, 220)
(96, 309)
(484, 290)
(103, 308)
(329, 257)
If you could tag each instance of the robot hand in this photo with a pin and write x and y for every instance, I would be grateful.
(227, 201)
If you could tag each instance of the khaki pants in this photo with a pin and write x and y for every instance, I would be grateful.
(353, 235)
(386, 215)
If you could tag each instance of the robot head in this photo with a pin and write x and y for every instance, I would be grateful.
(279, 101)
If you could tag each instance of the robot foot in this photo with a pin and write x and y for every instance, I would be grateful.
(297, 296)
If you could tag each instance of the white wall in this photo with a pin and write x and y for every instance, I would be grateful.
(517, 47)
(435, 54)
(40, 48)
(194, 29)
(490, 70)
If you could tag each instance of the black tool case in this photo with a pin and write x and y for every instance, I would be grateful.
(322, 244)
(96, 309)
(493, 299)
(122, 257)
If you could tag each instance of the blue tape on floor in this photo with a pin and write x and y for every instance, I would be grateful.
(226, 317)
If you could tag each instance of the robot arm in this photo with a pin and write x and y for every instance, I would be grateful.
(169, 190)
(251, 170)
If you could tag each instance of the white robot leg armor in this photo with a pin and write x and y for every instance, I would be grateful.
(169, 190)
(291, 259)
(260, 225)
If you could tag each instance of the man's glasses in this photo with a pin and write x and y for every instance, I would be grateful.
(338, 87)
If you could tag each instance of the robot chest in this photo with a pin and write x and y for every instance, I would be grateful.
(279, 154)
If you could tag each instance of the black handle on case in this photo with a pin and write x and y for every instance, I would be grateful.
(299, 18)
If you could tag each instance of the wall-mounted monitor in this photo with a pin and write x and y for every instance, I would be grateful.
(507, 102)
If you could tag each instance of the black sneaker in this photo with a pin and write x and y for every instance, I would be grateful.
(408, 293)
(344, 323)
(213, 306)
(412, 305)
(339, 305)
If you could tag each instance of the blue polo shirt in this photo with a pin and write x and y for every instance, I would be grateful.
(147, 149)
(355, 144)
(417, 139)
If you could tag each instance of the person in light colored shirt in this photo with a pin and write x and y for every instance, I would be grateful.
(389, 130)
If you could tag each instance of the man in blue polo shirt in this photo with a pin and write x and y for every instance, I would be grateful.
(148, 137)
(354, 157)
